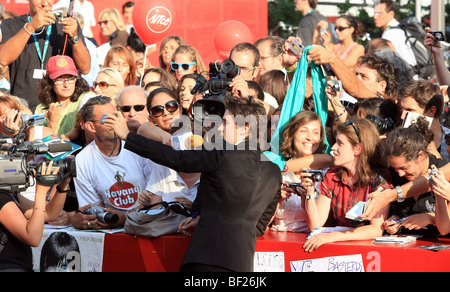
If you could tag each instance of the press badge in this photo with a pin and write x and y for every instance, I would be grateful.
(39, 73)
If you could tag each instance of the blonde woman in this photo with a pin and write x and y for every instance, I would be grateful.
(109, 83)
(112, 27)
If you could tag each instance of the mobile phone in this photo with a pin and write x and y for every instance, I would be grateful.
(102, 120)
(296, 47)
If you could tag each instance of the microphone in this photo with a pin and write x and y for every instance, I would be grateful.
(186, 141)
(59, 147)
(193, 141)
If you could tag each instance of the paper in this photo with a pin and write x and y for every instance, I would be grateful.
(347, 263)
(268, 262)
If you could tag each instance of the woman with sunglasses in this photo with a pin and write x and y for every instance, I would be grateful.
(163, 106)
(168, 47)
(348, 30)
(357, 171)
(60, 93)
(109, 83)
(186, 60)
(112, 27)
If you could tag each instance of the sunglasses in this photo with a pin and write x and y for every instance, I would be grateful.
(103, 85)
(341, 28)
(350, 122)
(104, 22)
(127, 108)
(158, 110)
(185, 66)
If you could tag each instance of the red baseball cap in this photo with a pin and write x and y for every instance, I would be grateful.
(61, 65)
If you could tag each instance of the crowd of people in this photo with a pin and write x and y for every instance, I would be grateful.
(124, 112)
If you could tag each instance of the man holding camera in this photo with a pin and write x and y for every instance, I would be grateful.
(29, 41)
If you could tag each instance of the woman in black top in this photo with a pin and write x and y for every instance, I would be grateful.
(23, 233)
(407, 152)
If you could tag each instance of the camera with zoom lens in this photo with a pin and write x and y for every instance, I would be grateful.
(16, 171)
(384, 126)
(215, 89)
(102, 215)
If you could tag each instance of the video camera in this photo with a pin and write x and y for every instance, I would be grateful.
(16, 170)
(213, 103)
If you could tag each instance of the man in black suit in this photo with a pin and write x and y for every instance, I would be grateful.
(238, 191)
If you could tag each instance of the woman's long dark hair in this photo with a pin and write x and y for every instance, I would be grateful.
(47, 95)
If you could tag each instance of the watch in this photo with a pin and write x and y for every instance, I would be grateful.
(75, 39)
(400, 196)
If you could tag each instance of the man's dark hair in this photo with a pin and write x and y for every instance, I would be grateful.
(250, 110)
(385, 71)
(276, 45)
(390, 5)
(127, 5)
(242, 47)
(87, 111)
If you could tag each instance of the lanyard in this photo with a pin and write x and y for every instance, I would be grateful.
(42, 54)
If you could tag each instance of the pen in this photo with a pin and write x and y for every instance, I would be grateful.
(46, 108)
(189, 220)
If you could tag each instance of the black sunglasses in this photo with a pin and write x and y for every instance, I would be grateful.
(127, 108)
(158, 110)
(341, 28)
(350, 122)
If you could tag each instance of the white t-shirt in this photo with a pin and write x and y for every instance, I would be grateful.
(114, 181)
(167, 183)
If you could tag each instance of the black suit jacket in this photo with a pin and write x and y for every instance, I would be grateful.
(237, 196)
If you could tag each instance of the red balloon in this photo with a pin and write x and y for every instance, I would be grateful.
(153, 19)
(230, 33)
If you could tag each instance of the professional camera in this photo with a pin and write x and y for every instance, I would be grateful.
(28, 121)
(102, 215)
(16, 170)
(316, 175)
(213, 103)
(384, 126)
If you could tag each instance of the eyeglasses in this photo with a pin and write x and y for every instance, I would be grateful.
(127, 108)
(158, 110)
(61, 81)
(350, 122)
(103, 85)
(104, 22)
(245, 69)
(185, 66)
(341, 28)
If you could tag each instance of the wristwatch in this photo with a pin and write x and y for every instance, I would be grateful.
(400, 196)
(75, 39)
